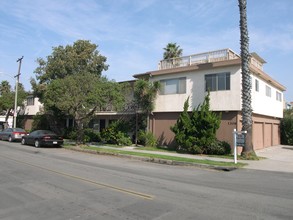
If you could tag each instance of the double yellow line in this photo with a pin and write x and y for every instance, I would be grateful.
(115, 188)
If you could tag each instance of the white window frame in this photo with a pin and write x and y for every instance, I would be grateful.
(278, 96)
(216, 79)
(268, 91)
(173, 86)
(256, 85)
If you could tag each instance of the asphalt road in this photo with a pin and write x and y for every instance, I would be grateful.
(54, 183)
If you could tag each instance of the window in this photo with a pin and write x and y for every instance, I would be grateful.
(173, 86)
(30, 101)
(278, 96)
(256, 85)
(268, 91)
(217, 82)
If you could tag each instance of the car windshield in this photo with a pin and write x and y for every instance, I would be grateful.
(18, 129)
(47, 132)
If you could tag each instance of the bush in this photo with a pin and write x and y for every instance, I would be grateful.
(195, 132)
(40, 122)
(287, 130)
(218, 148)
(123, 139)
(91, 136)
(116, 134)
(147, 139)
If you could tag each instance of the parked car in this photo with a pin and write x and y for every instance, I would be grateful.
(40, 138)
(12, 134)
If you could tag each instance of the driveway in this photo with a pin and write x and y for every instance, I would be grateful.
(278, 158)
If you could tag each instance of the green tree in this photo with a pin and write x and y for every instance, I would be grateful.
(196, 132)
(81, 95)
(246, 82)
(7, 98)
(81, 57)
(145, 93)
(287, 127)
(172, 50)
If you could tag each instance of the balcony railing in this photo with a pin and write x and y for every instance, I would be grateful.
(208, 57)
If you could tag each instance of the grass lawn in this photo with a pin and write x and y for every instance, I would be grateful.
(157, 156)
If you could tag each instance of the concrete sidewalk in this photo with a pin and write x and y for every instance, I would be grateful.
(278, 158)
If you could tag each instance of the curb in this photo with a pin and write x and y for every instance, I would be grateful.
(157, 160)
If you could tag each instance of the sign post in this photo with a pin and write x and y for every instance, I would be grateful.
(239, 140)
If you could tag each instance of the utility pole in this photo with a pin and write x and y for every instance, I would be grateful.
(16, 91)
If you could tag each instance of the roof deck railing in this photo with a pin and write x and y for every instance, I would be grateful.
(208, 57)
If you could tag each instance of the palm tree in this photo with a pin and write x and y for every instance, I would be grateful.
(172, 50)
(145, 93)
(246, 81)
(4, 87)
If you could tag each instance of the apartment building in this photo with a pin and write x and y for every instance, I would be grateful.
(219, 72)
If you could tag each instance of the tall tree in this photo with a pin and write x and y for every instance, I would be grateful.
(81, 95)
(172, 50)
(246, 81)
(7, 96)
(145, 93)
(82, 56)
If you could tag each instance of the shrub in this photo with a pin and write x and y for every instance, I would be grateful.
(218, 148)
(147, 139)
(40, 122)
(196, 131)
(287, 128)
(91, 136)
(123, 139)
(116, 133)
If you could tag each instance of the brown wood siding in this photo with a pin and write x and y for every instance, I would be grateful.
(266, 130)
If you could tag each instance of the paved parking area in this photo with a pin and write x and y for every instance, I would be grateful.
(278, 158)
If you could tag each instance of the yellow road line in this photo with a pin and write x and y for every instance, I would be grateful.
(119, 189)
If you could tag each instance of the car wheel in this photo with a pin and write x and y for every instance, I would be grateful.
(23, 141)
(10, 139)
(37, 143)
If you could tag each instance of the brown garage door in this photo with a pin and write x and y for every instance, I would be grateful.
(268, 135)
(258, 136)
(276, 134)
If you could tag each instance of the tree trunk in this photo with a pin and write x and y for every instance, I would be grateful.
(6, 118)
(246, 80)
(79, 138)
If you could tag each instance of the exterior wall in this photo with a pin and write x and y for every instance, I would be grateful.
(33, 109)
(28, 122)
(266, 130)
(267, 111)
(160, 123)
(262, 104)
(229, 122)
(195, 89)
(9, 121)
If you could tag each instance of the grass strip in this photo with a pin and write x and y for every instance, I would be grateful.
(158, 156)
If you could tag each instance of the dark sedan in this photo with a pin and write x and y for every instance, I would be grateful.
(12, 134)
(40, 138)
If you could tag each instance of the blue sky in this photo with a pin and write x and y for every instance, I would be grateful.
(133, 33)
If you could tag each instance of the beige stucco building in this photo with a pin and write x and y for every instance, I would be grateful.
(220, 72)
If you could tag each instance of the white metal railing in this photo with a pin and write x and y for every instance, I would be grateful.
(213, 56)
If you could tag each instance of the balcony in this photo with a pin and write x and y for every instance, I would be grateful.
(208, 57)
